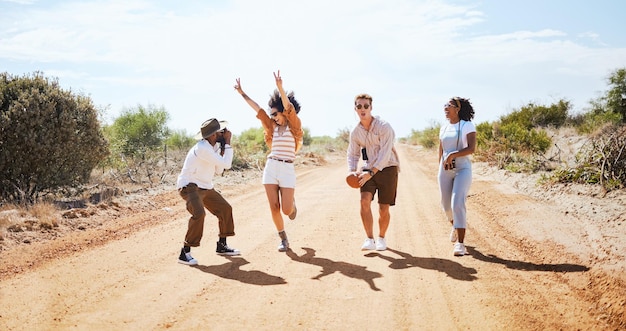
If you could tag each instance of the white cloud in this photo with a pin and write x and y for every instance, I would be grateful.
(21, 2)
(410, 55)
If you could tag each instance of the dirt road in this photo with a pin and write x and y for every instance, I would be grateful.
(531, 266)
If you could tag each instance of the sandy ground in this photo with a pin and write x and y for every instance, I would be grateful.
(540, 259)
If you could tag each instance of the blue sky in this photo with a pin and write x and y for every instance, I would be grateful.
(410, 55)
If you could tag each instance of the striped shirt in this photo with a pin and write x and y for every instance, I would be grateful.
(378, 142)
(283, 145)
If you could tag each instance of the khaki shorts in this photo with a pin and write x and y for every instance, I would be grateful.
(386, 183)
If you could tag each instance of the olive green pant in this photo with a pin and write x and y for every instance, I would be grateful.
(197, 199)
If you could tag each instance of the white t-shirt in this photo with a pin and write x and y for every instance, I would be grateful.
(453, 137)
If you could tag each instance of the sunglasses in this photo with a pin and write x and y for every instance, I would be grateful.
(456, 101)
(362, 106)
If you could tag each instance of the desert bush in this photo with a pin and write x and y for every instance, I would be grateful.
(152, 168)
(588, 122)
(428, 138)
(138, 130)
(511, 143)
(49, 137)
(326, 144)
(614, 97)
(609, 108)
(602, 160)
(249, 149)
(306, 137)
(139, 149)
(343, 136)
(533, 116)
(179, 140)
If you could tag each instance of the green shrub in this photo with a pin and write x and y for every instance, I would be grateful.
(532, 116)
(343, 136)
(502, 144)
(591, 121)
(49, 137)
(484, 134)
(180, 140)
(250, 149)
(427, 138)
(324, 144)
(139, 130)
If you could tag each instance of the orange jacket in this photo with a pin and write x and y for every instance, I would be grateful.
(295, 126)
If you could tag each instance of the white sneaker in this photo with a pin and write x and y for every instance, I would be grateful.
(459, 249)
(381, 244)
(368, 245)
(453, 235)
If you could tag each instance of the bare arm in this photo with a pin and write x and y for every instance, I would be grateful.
(250, 102)
(471, 147)
(440, 151)
(279, 85)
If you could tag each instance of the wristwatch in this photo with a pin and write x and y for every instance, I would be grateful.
(371, 172)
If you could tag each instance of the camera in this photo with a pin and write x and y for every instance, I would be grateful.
(221, 140)
(451, 166)
(220, 137)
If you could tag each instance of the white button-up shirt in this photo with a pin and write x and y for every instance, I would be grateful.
(203, 161)
(378, 142)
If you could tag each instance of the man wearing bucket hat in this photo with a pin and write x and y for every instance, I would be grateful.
(195, 186)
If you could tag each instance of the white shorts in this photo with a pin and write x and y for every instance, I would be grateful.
(280, 173)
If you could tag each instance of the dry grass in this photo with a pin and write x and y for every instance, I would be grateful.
(68, 209)
(15, 218)
(46, 215)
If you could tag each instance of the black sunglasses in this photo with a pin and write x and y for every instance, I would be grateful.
(362, 106)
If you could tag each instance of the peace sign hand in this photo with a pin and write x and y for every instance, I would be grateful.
(279, 80)
(238, 86)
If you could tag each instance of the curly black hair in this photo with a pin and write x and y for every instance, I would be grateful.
(466, 112)
(277, 102)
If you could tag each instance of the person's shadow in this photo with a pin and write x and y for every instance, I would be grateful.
(526, 266)
(231, 270)
(452, 269)
(329, 267)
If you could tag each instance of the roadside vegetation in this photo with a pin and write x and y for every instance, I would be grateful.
(56, 152)
(522, 140)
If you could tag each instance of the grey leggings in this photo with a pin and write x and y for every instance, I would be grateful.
(454, 186)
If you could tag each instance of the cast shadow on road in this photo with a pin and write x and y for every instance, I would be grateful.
(526, 266)
(231, 270)
(452, 269)
(329, 267)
